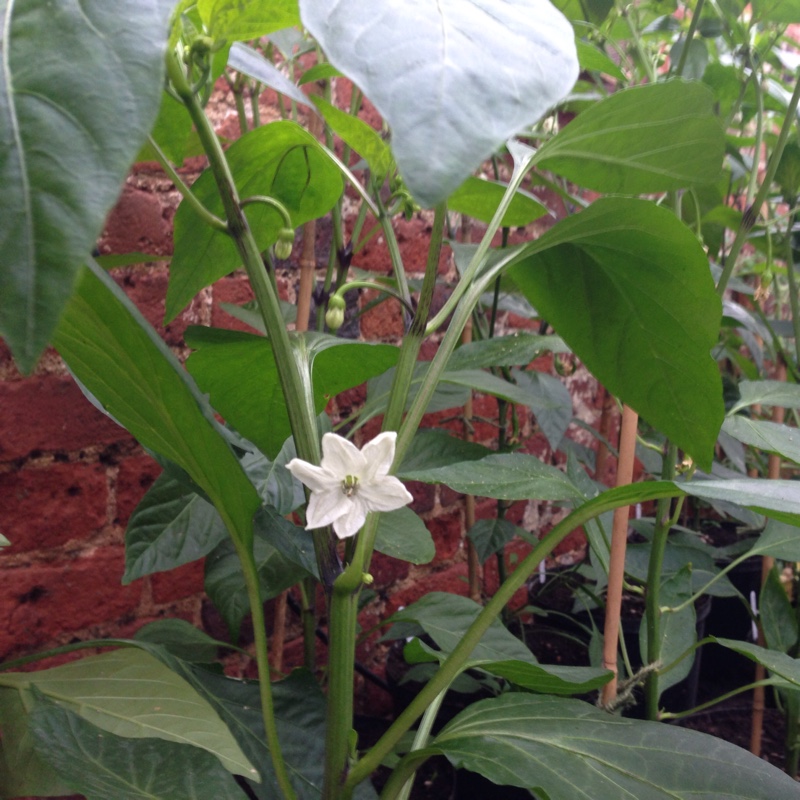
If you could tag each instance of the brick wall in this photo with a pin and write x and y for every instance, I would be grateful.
(70, 478)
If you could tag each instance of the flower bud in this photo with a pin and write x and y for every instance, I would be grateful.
(334, 318)
(283, 247)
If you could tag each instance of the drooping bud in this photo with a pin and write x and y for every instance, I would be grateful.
(283, 247)
(334, 318)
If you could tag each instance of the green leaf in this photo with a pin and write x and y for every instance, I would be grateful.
(550, 401)
(171, 132)
(627, 286)
(224, 579)
(780, 11)
(100, 765)
(779, 664)
(765, 496)
(568, 750)
(359, 136)
(594, 11)
(280, 160)
(79, 91)
(489, 536)
(434, 70)
(115, 353)
(696, 60)
(479, 199)
(645, 139)
(506, 476)
(593, 59)
(547, 678)
(778, 540)
(517, 349)
(431, 449)
(234, 21)
(250, 62)
(777, 616)
(170, 527)
(22, 771)
(239, 373)
(402, 534)
(768, 436)
(768, 393)
(129, 693)
(181, 639)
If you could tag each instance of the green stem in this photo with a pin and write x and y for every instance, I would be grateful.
(794, 297)
(750, 215)
(703, 706)
(401, 786)
(654, 571)
(689, 37)
(210, 219)
(274, 203)
(308, 590)
(341, 660)
(454, 663)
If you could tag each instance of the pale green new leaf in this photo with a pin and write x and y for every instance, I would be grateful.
(233, 20)
(454, 79)
(80, 86)
(100, 765)
(129, 693)
(569, 750)
(645, 139)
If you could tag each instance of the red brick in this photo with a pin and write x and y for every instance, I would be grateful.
(47, 413)
(384, 321)
(148, 290)
(135, 477)
(139, 223)
(178, 583)
(448, 534)
(39, 604)
(423, 494)
(45, 508)
(386, 570)
(234, 289)
(453, 580)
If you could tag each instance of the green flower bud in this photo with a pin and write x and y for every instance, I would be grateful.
(334, 318)
(283, 247)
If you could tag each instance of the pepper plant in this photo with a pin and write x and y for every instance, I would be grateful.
(623, 281)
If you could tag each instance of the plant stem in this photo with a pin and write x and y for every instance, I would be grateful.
(689, 37)
(750, 216)
(453, 664)
(654, 574)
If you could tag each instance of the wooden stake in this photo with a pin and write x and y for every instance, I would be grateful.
(619, 542)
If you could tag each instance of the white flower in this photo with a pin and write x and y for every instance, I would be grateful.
(350, 482)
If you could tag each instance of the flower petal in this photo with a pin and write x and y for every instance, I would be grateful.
(326, 507)
(379, 454)
(350, 524)
(387, 494)
(316, 478)
(341, 457)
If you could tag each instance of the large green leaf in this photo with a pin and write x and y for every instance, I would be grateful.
(129, 693)
(627, 286)
(517, 349)
(431, 449)
(239, 373)
(233, 20)
(171, 526)
(645, 139)
(768, 393)
(778, 497)
(768, 436)
(402, 534)
(777, 615)
(453, 79)
(569, 750)
(280, 160)
(114, 352)
(480, 198)
(781, 665)
(780, 11)
(80, 86)
(100, 765)
(779, 540)
(505, 476)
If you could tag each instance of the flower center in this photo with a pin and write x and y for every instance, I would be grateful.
(349, 485)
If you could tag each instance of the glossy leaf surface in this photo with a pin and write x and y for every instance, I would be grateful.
(129, 693)
(627, 286)
(280, 160)
(768, 436)
(569, 750)
(113, 351)
(67, 138)
(646, 139)
(453, 79)
(100, 765)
